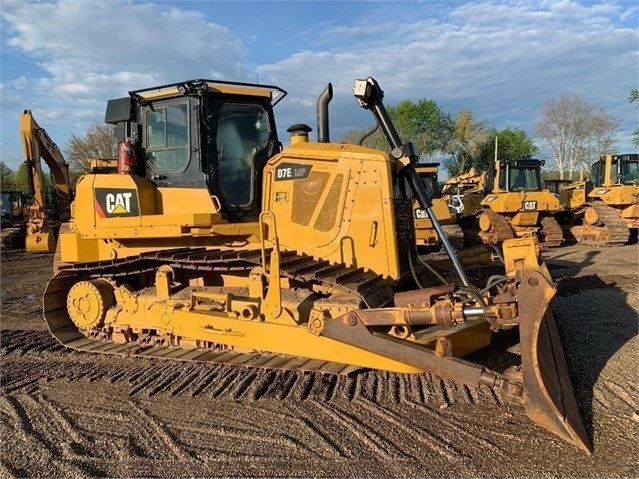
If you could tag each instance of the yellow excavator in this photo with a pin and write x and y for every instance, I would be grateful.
(213, 243)
(518, 205)
(608, 207)
(425, 233)
(44, 214)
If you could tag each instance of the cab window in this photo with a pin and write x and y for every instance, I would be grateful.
(431, 185)
(597, 173)
(167, 149)
(524, 179)
(614, 172)
(242, 131)
(630, 172)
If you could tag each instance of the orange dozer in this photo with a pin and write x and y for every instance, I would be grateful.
(214, 243)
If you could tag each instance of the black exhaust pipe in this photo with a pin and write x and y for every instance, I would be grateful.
(322, 114)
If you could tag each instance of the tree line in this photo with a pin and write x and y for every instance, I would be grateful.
(575, 131)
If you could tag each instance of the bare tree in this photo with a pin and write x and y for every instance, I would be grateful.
(634, 98)
(576, 131)
(372, 138)
(468, 136)
(603, 139)
(98, 142)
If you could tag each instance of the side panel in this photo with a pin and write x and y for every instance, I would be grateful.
(335, 202)
(116, 216)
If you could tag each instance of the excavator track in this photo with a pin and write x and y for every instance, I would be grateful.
(551, 233)
(610, 230)
(500, 228)
(369, 288)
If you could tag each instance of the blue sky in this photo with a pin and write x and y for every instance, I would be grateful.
(63, 59)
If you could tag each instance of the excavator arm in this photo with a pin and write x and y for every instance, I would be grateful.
(38, 146)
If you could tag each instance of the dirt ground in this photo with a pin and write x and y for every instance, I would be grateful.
(69, 414)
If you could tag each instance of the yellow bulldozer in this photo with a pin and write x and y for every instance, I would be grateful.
(425, 234)
(518, 206)
(213, 243)
(607, 208)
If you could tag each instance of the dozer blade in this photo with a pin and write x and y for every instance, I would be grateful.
(549, 399)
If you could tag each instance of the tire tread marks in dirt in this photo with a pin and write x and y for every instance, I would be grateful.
(37, 425)
(153, 432)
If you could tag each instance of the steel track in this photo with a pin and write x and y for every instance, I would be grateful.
(610, 230)
(371, 289)
(551, 233)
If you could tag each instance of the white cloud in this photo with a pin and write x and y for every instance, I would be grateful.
(93, 47)
(84, 52)
(501, 60)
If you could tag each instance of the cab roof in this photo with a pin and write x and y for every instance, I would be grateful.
(275, 93)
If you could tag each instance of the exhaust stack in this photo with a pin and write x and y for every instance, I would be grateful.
(322, 114)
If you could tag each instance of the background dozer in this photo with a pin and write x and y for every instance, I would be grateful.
(465, 192)
(47, 212)
(425, 234)
(518, 206)
(609, 207)
(213, 243)
(572, 196)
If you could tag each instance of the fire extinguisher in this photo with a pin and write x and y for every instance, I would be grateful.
(126, 157)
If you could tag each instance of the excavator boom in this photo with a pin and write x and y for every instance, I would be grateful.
(37, 145)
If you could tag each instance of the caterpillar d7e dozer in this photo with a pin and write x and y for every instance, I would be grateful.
(518, 206)
(214, 244)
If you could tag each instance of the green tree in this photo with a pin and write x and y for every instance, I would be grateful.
(22, 178)
(512, 144)
(98, 142)
(7, 177)
(467, 137)
(634, 98)
(422, 122)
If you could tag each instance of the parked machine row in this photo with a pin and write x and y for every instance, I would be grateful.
(601, 211)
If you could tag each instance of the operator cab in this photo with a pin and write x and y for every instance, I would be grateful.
(520, 175)
(555, 185)
(427, 173)
(624, 170)
(203, 134)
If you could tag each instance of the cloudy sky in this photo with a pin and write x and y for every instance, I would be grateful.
(63, 59)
